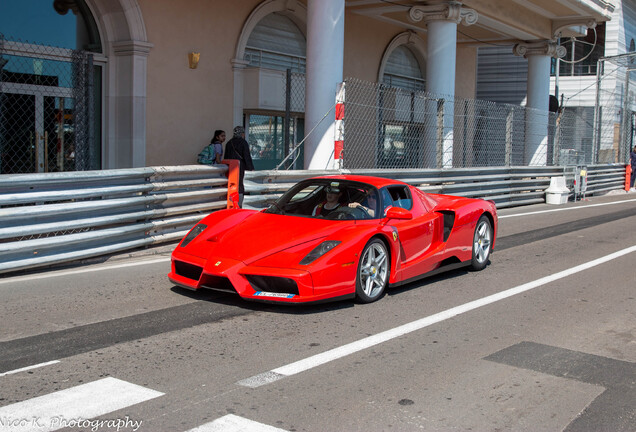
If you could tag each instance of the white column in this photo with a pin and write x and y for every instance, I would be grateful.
(325, 58)
(441, 25)
(538, 98)
(441, 47)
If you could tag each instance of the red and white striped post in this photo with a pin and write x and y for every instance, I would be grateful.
(339, 125)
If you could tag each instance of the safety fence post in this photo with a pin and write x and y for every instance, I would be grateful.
(339, 126)
(233, 176)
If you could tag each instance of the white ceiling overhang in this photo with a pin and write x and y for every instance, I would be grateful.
(508, 21)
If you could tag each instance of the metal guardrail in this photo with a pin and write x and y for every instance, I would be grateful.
(59, 217)
(604, 178)
(506, 186)
(53, 218)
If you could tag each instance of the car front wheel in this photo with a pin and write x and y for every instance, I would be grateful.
(373, 272)
(482, 243)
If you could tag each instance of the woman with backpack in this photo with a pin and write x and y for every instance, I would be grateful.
(213, 152)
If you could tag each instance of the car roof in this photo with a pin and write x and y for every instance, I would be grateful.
(378, 182)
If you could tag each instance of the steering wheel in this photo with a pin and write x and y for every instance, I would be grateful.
(346, 212)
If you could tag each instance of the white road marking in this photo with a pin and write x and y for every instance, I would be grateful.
(566, 209)
(233, 423)
(24, 369)
(53, 411)
(51, 274)
(345, 350)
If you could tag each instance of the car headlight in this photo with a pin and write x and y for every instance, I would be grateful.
(319, 251)
(193, 233)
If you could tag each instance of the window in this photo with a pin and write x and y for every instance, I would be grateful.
(52, 121)
(403, 70)
(277, 43)
(582, 53)
(266, 136)
(399, 196)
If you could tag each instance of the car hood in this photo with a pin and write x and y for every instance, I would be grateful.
(262, 234)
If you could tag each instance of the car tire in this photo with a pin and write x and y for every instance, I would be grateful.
(482, 243)
(373, 272)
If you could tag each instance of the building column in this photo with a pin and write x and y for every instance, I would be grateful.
(127, 145)
(238, 66)
(441, 24)
(325, 59)
(539, 56)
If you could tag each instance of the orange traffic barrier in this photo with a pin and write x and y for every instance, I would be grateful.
(628, 177)
(233, 176)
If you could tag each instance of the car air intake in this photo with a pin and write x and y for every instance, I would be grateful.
(273, 284)
(187, 270)
(217, 283)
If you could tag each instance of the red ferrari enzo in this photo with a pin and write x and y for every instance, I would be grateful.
(335, 237)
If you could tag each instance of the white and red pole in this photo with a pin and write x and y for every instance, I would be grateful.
(339, 126)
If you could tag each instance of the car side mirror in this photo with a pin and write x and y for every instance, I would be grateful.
(398, 213)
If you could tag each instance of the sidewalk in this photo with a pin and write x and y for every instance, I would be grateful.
(158, 250)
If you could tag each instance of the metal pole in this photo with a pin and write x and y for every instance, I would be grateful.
(287, 111)
(440, 133)
(597, 114)
(509, 136)
(622, 150)
(556, 73)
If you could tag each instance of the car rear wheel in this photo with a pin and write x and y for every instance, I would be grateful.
(482, 243)
(373, 272)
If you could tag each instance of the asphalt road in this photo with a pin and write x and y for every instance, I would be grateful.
(543, 339)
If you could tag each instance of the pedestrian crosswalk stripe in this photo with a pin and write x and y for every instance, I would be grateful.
(233, 423)
(24, 369)
(55, 410)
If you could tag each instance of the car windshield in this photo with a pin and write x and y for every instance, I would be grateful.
(327, 198)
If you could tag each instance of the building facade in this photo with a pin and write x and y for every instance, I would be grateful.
(577, 83)
(148, 81)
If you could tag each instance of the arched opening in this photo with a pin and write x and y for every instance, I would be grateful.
(277, 43)
(401, 129)
(403, 70)
(50, 107)
(270, 82)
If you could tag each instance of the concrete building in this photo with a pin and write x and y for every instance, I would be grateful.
(503, 77)
(164, 74)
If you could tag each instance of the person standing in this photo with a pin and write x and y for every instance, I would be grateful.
(632, 158)
(238, 148)
(213, 152)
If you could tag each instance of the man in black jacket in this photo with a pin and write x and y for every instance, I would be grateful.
(238, 148)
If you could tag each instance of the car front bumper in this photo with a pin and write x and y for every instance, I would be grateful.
(265, 284)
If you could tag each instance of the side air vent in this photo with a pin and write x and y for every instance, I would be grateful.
(449, 221)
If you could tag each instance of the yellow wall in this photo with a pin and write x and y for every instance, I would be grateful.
(364, 45)
(185, 106)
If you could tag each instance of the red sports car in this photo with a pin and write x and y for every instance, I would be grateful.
(335, 237)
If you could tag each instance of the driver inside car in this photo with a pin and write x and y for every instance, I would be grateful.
(331, 203)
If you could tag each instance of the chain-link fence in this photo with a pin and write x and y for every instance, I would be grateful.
(615, 111)
(274, 133)
(46, 109)
(388, 127)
